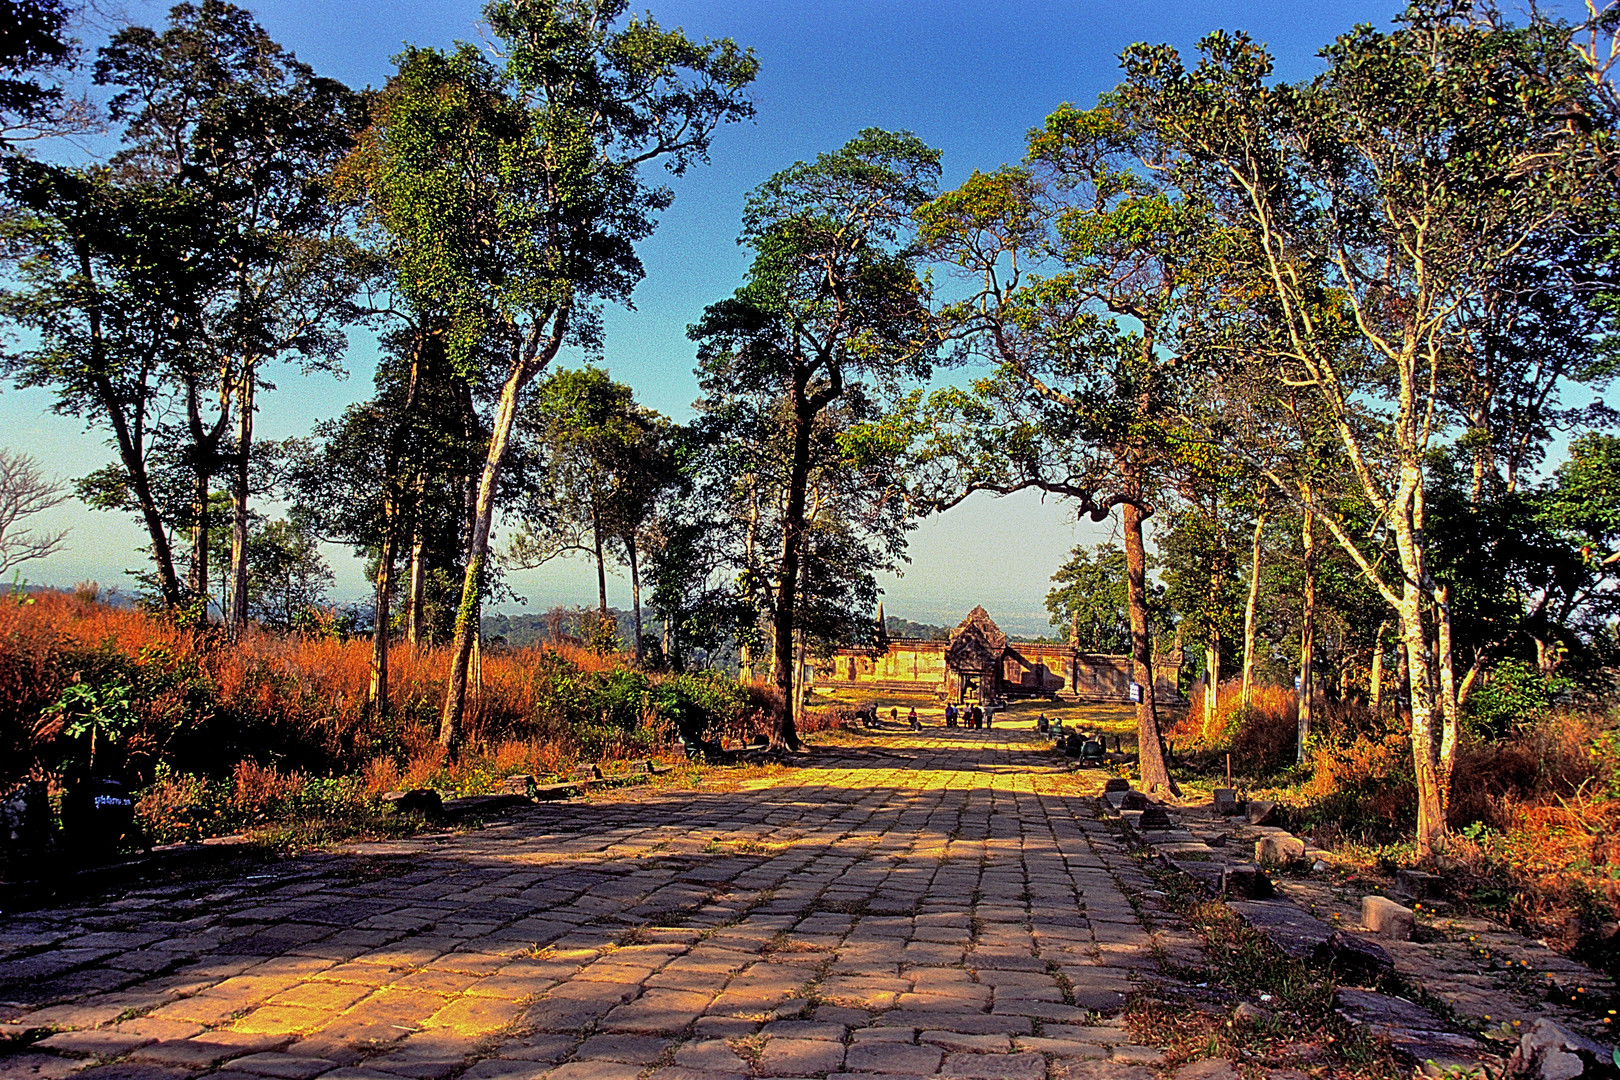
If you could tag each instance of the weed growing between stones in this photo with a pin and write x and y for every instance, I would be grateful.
(1294, 1024)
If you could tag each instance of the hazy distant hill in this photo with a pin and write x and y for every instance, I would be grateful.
(898, 627)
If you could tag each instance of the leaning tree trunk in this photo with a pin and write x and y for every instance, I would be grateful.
(1306, 697)
(237, 619)
(524, 369)
(130, 440)
(1150, 744)
(1249, 609)
(472, 587)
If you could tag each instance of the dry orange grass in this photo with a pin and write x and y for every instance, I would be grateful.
(1536, 815)
(206, 704)
(1260, 738)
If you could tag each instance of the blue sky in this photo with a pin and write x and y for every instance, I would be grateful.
(970, 77)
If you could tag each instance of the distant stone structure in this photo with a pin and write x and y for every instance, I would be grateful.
(980, 664)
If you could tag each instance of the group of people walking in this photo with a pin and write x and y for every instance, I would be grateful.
(970, 716)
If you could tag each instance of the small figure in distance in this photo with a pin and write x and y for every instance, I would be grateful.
(911, 718)
(894, 715)
(950, 714)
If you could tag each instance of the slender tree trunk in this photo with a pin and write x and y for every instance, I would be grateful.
(197, 577)
(1150, 745)
(130, 440)
(134, 462)
(1475, 670)
(418, 589)
(524, 369)
(745, 663)
(1212, 683)
(799, 688)
(1249, 614)
(393, 490)
(1306, 698)
(377, 697)
(1375, 680)
(601, 563)
(237, 620)
(1448, 693)
(1212, 646)
(786, 734)
(635, 593)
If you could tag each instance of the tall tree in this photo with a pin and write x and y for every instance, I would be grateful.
(512, 197)
(1088, 598)
(833, 295)
(1378, 212)
(217, 109)
(1091, 282)
(97, 266)
(601, 471)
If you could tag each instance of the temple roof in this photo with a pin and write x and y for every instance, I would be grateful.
(979, 622)
(977, 644)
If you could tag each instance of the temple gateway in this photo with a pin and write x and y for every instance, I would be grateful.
(980, 664)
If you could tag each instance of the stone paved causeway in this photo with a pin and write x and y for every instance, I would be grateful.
(936, 904)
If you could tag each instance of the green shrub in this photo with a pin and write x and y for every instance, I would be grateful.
(1516, 694)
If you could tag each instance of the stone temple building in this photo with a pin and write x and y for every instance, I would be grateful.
(980, 664)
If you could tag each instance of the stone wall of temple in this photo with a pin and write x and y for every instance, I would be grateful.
(1027, 669)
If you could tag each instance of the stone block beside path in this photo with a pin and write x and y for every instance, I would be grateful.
(1246, 880)
(1387, 919)
(1262, 812)
(1280, 849)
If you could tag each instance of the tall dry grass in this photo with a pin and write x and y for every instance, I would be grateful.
(1535, 815)
(294, 703)
(1260, 737)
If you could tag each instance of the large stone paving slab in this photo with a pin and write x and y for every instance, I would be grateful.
(937, 904)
